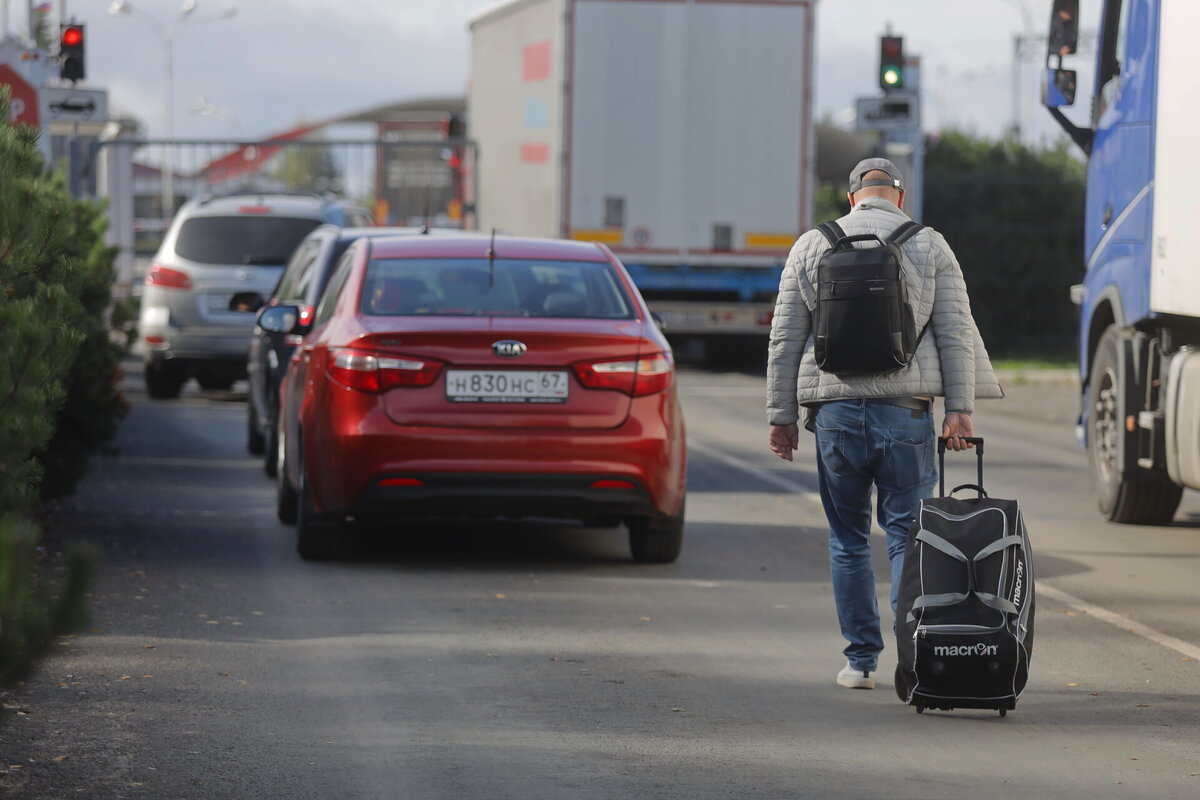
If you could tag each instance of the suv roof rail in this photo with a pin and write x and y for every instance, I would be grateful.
(209, 197)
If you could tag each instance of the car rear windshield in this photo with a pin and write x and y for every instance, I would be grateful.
(506, 287)
(254, 241)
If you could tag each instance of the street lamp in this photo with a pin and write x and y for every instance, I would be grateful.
(122, 7)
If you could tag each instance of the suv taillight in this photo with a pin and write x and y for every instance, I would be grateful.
(168, 278)
(375, 372)
(635, 377)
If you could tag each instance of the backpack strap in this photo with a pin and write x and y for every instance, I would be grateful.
(832, 231)
(905, 232)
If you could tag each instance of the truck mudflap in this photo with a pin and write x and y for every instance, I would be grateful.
(1182, 423)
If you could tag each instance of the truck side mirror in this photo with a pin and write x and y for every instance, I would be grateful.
(1064, 28)
(1059, 89)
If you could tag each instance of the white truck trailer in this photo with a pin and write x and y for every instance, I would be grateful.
(677, 132)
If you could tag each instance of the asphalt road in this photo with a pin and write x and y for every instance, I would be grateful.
(531, 660)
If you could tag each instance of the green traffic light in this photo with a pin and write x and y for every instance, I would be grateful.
(891, 77)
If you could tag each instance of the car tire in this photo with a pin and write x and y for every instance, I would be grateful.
(286, 501)
(656, 540)
(255, 442)
(316, 538)
(163, 382)
(1151, 501)
(271, 459)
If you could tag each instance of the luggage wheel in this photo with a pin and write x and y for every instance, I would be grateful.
(920, 709)
(1003, 711)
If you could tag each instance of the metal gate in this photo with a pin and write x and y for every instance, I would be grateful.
(406, 177)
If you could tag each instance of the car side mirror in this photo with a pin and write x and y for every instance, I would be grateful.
(280, 319)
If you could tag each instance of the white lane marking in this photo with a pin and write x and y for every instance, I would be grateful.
(1104, 615)
(768, 477)
(1119, 621)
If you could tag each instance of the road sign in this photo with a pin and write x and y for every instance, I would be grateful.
(895, 112)
(23, 105)
(74, 105)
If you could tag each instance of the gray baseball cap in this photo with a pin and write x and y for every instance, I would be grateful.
(871, 164)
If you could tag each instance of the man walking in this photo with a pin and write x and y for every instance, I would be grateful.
(874, 429)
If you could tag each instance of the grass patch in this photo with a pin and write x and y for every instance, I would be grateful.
(1034, 364)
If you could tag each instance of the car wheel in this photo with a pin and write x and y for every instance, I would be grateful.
(254, 438)
(1136, 502)
(271, 461)
(656, 541)
(286, 501)
(163, 382)
(316, 538)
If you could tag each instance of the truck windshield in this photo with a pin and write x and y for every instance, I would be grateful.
(508, 287)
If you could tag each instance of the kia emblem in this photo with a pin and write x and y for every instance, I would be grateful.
(509, 348)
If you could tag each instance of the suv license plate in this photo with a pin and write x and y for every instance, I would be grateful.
(506, 386)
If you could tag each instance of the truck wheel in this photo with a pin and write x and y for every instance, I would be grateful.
(163, 382)
(1140, 502)
(656, 541)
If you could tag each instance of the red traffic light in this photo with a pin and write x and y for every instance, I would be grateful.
(70, 52)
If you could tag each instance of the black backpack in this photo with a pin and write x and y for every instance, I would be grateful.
(863, 323)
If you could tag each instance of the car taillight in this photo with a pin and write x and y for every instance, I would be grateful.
(306, 315)
(636, 377)
(370, 372)
(168, 278)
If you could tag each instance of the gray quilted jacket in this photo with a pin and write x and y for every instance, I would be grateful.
(950, 362)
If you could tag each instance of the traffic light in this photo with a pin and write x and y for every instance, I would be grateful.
(70, 52)
(891, 62)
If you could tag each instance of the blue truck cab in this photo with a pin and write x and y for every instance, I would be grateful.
(1139, 334)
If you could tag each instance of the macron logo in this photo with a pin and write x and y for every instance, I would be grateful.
(979, 649)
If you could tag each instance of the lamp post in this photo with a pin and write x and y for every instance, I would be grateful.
(1018, 52)
(122, 7)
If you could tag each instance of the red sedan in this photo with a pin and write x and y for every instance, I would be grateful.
(477, 376)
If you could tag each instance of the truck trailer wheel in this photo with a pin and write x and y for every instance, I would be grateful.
(1149, 499)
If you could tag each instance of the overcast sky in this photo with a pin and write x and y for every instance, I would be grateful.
(279, 62)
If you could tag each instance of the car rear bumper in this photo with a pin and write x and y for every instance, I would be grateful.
(492, 495)
(496, 471)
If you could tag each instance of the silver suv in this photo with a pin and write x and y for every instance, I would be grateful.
(221, 257)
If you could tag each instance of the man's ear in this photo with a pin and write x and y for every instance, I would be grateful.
(850, 197)
(900, 202)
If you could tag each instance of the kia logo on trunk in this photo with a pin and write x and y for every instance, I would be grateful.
(510, 348)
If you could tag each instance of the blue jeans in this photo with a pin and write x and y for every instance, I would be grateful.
(859, 443)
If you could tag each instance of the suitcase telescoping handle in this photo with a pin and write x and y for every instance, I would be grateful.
(978, 442)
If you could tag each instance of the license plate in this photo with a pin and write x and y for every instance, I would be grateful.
(506, 386)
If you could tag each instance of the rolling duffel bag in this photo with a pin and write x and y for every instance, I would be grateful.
(965, 604)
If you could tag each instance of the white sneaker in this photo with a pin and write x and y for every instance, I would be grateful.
(853, 678)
